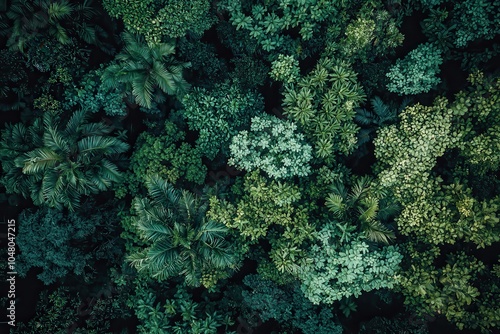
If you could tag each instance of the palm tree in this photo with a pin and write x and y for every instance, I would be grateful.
(183, 242)
(143, 69)
(57, 18)
(365, 205)
(55, 165)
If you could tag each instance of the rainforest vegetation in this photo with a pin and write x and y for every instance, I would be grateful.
(260, 166)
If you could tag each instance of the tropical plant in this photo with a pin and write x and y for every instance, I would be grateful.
(417, 72)
(181, 240)
(218, 114)
(158, 19)
(56, 18)
(364, 205)
(146, 71)
(58, 242)
(162, 151)
(343, 265)
(323, 105)
(56, 162)
(272, 145)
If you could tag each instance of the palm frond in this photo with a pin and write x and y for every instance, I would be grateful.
(39, 160)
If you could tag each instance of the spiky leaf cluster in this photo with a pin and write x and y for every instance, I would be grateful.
(56, 161)
(181, 240)
(323, 104)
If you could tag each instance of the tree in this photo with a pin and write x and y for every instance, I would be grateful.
(56, 18)
(323, 104)
(343, 265)
(416, 73)
(57, 164)
(59, 242)
(273, 146)
(162, 151)
(146, 71)
(365, 205)
(218, 114)
(182, 240)
(157, 20)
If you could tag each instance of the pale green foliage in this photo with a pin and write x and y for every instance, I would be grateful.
(158, 19)
(417, 72)
(323, 104)
(285, 69)
(218, 114)
(56, 162)
(181, 240)
(272, 145)
(343, 265)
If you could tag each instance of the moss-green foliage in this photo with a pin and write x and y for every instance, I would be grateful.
(56, 161)
(91, 95)
(433, 211)
(288, 306)
(417, 72)
(56, 242)
(165, 154)
(343, 265)
(372, 33)
(268, 208)
(272, 145)
(218, 114)
(462, 289)
(323, 104)
(159, 19)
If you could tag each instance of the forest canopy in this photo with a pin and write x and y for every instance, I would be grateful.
(229, 166)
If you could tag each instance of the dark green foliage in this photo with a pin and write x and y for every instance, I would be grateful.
(164, 154)
(218, 114)
(288, 306)
(59, 243)
(181, 240)
(158, 19)
(56, 161)
(366, 205)
(91, 95)
(58, 19)
(206, 66)
(146, 71)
